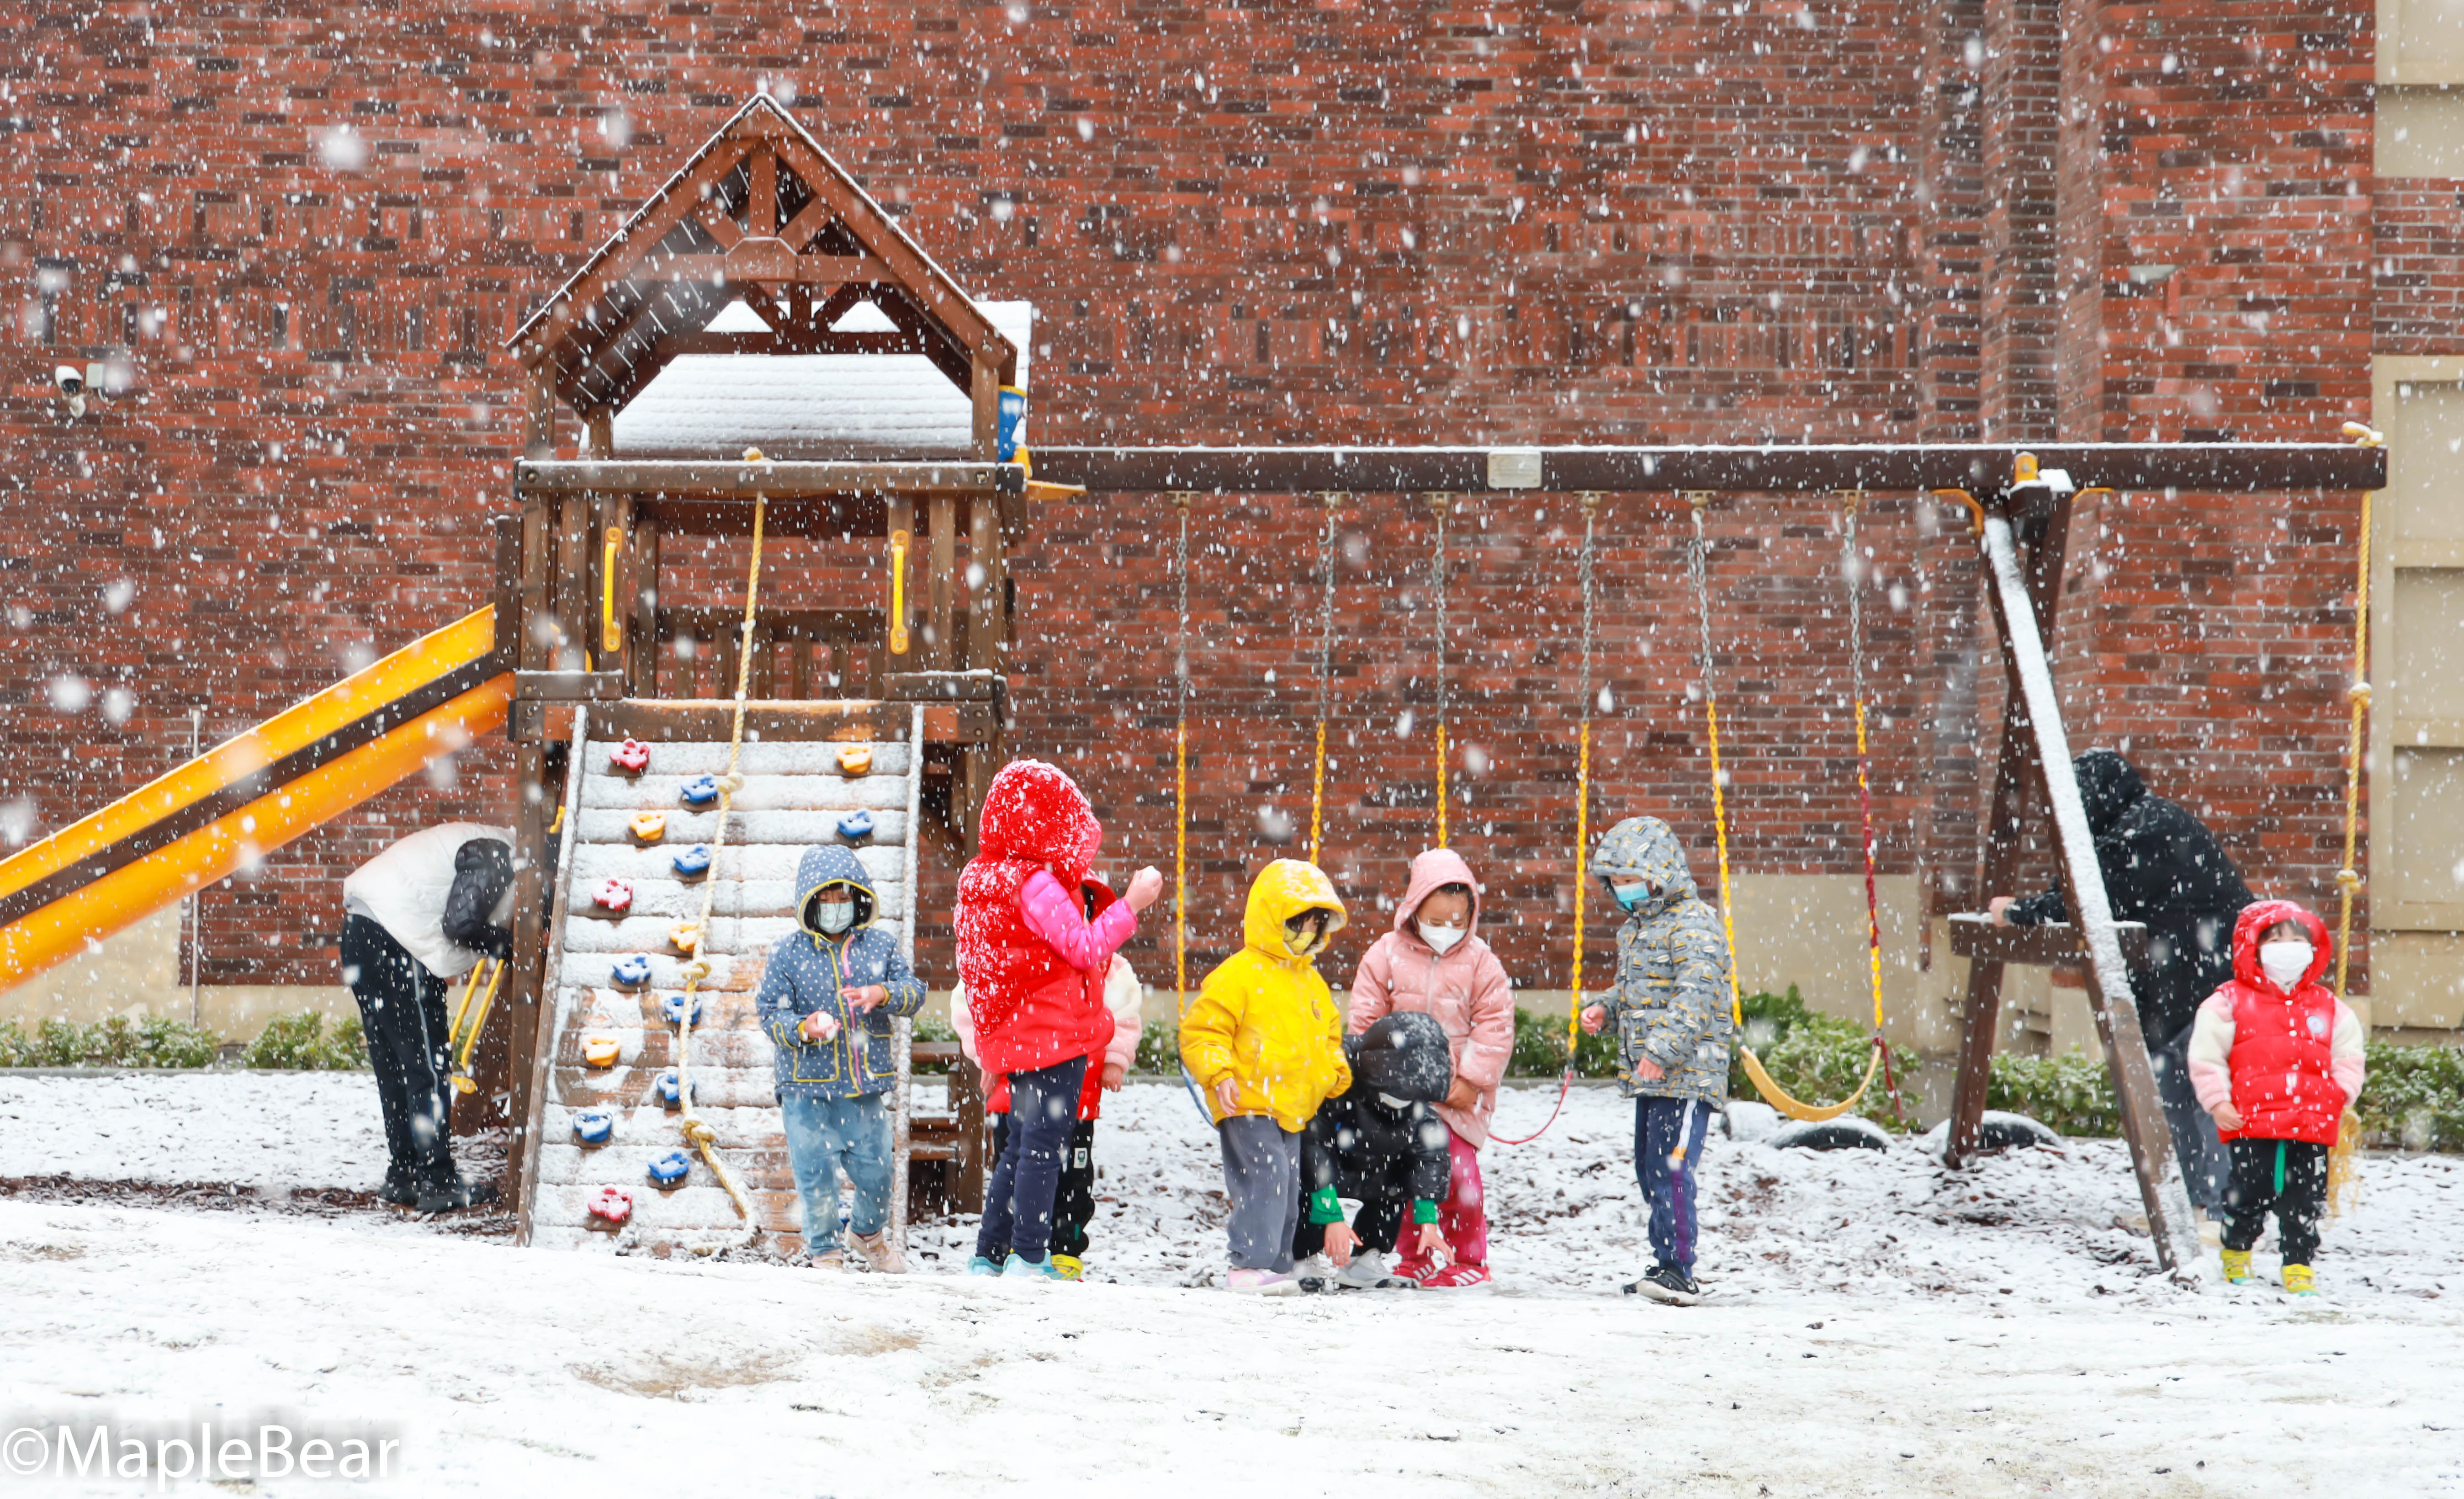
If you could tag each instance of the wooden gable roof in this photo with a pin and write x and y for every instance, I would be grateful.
(760, 214)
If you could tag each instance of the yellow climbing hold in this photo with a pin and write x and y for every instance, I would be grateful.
(600, 1051)
(650, 827)
(855, 759)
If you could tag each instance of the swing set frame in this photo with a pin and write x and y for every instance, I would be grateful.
(2021, 519)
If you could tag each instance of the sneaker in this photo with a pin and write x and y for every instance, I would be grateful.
(978, 1265)
(1032, 1270)
(397, 1188)
(2236, 1267)
(1071, 1266)
(1369, 1271)
(1317, 1273)
(2300, 1281)
(1456, 1276)
(1668, 1284)
(1413, 1269)
(880, 1256)
(1262, 1283)
(447, 1196)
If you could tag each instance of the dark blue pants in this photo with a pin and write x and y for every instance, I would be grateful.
(1660, 1126)
(1018, 1200)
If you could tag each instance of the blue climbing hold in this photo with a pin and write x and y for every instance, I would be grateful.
(671, 1169)
(692, 863)
(856, 826)
(593, 1126)
(674, 1008)
(631, 971)
(700, 791)
(667, 1089)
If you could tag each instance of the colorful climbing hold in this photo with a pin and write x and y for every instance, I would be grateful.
(671, 1169)
(855, 759)
(593, 1126)
(685, 936)
(674, 1008)
(650, 827)
(632, 757)
(600, 1051)
(614, 1205)
(700, 791)
(614, 895)
(630, 972)
(666, 1087)
(693, 863)
(856, 826)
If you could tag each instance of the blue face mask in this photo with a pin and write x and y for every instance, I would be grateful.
(834, 918)
(1633, 897)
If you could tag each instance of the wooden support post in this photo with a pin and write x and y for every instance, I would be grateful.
(2108, 979)
(984, 587)
(599, 432)
(531, 815)
(944, 652)
(2016, 782)
(643, 668)
(538, 414)
(571, 582)
(975, 1141)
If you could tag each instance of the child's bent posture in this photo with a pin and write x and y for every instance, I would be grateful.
(1035, 967)
(1380, 1144)
(1435, 962)
(827, 999)
(1264, 1041)
(2277, 1059)
(1671, 1009)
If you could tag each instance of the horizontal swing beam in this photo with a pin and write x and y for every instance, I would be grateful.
(1980, 468)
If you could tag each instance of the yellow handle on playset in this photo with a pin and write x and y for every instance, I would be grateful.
(899, 541)
(611, 629)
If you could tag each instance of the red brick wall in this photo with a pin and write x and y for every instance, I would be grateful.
(1517, 222)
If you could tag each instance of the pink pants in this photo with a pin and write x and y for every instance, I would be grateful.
(1464, 1216)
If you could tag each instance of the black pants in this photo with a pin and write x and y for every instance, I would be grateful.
(2288, 1178)
(1378, 1222)
(1073, 1207)
(402, 1009)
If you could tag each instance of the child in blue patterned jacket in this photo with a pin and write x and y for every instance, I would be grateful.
(827, 999)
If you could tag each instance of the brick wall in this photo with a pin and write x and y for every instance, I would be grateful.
(307, 232)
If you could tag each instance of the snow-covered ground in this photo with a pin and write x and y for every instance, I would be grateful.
(1876, 1327)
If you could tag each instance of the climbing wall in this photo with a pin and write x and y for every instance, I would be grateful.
(795, 795)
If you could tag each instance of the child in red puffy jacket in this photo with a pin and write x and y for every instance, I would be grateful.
(2277, 1058)
(1035, 966)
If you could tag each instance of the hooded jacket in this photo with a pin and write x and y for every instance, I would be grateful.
(446, 894)
(1037, 1001)
(1360, 1146)
(1671, 1000)
(1263, 1017)
(1123, 995)
(2163, 867)
(804, 976)
(1465, 990)
(2290, 1062)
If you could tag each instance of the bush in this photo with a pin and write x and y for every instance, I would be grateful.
(932, 1028)
(300, 1043)
(152, 1042)
(2072, 1093)
(1159, 1049)
(2414, 1097)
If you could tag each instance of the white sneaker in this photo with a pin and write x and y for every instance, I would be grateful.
(1317, 1272)
(1262, 1283)
(880, 1256)
(1369, 1270)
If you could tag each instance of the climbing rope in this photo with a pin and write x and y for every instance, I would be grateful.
(1440, 503)
(1697, 570)
(1582, 832)
(698, 1131)
(2342, 1180)
(1325, 667)
(1181, 502)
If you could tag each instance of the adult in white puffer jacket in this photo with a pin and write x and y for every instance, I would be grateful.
(417, 917)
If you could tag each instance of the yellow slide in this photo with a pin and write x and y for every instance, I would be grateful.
(250, 795)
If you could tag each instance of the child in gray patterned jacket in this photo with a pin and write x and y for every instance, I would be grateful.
(1670, 1003)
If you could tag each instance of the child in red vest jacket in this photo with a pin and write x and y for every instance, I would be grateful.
(2277, 1059)
(1034, 968)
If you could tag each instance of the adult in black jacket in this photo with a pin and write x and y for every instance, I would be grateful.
(1380, 1144)
(2162, 866)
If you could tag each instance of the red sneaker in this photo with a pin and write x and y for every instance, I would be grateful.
(1455, 1277)
(1416, 1270)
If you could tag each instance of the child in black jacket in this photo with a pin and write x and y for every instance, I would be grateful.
(1380, 1144)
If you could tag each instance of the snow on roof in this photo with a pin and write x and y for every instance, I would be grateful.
(812, 405)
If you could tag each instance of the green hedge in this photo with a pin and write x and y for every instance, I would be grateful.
(118, 1042)
(301, 1043)
(2414, 1097)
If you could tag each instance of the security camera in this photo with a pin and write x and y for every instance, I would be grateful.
(70, 379)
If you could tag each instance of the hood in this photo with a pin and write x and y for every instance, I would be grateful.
(1035, 814)
(2257, 917)
(2107, 785)
(1648, 847)
(1404, 1055)
(1436, 868)
(1282, 891)
(833, 864)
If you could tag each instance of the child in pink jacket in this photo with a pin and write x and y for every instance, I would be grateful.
(1434, 963)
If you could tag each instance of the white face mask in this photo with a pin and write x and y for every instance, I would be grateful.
(2285, 962)
(1441, 937)
(835, 918)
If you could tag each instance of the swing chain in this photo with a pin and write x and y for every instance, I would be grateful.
(1182, 500)
(1441, 504)
(1331, 499)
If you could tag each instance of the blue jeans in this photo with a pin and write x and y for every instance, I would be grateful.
(1017, 1199)
(1659, 1124)
(828, 1136)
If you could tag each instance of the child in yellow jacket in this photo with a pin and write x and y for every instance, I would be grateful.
(1265, 1042)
